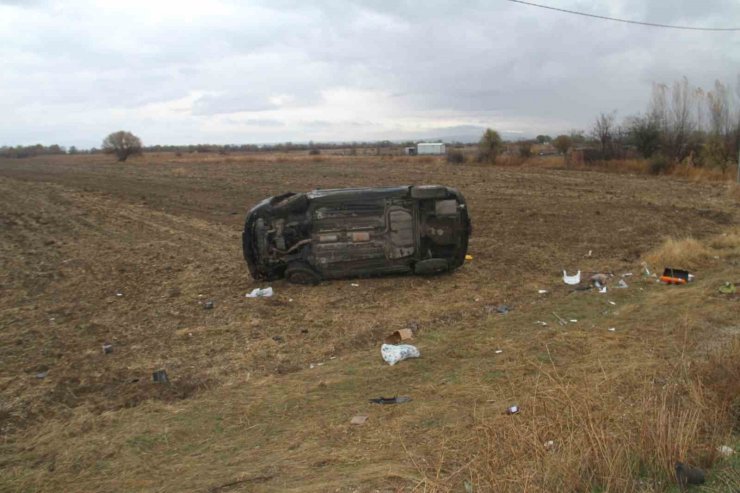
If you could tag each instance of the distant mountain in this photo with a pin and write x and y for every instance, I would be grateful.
(467, 134)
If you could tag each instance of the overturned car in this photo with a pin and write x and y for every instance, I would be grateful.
(356, 232)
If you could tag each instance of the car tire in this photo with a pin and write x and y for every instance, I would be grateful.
(429, 192)
(431, 266)
(302, 273)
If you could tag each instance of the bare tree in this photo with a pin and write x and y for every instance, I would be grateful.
(122, 144)
(722, 142)
(604, 131)
(676, 113)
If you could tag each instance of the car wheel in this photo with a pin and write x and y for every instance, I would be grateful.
(302, 273)
(428, 192)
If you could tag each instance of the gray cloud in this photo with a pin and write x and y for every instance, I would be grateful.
(340, 70)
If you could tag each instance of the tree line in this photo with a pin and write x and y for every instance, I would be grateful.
(682, 123)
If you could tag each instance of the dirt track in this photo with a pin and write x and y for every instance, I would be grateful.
(93, 252)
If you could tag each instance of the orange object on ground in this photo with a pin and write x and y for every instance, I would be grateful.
(672, 280)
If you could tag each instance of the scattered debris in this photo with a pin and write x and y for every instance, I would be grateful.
(260, 293)
(42, 374)
(572, 280)
(358, 420)
(512, 409)
(208, 305)
(645, 269)
(728, 288)
(119, 294)
(612, 329)
(540, 322)
(602, 290)
(499, 351)
(627, 274)
(278, 339)
(613, 303)
(589, 253)
(391, 400)
(599, 280)
(542, 291)
(160, 376)
(399, 335)
(686, 475)
(622, 285)
(392, 354)
(355, 285)
(676, 276)
(560, 320)
(468, 257)
(107, 348)
(573, 321)
(549, 445)
(725, 451)
(503, 309)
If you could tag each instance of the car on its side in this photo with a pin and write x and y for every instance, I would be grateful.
(356, 232)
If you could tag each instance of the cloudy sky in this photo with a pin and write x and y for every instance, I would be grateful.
(219, 71)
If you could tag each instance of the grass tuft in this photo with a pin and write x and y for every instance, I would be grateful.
(685, 253)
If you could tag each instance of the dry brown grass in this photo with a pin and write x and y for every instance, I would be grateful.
(684, 253)
(733, 191)
(570, 438)
(700, 174)
(619, 406)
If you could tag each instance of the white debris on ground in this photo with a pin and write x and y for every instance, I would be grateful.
(393, 353)
(260, 293)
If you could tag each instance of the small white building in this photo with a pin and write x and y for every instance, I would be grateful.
(430, 148)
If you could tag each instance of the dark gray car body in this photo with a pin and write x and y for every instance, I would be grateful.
(356, 232)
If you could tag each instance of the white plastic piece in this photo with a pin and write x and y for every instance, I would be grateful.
(622, 284)
(572, 280)
(612, 329)
(542, 291)
(260, 293)
(602, 290)
(725, 451)
(393, 353)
